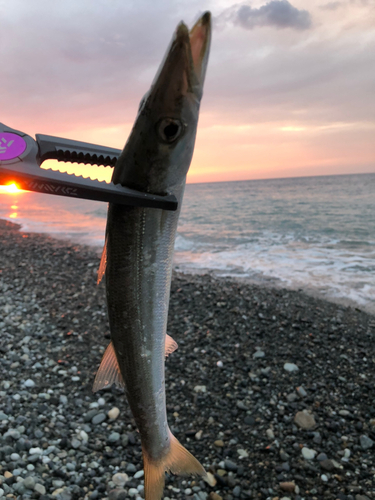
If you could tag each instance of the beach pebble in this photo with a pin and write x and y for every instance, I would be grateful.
(120, 478)
(113, 437)
(236, 491)
(291, 367)
(304, 420)
(139, 474)
(308, 453)
(198, 435)
(229, 465)
(220, 364)
(214, 496)
(288, 486)
(270, 434)
(29, 383)
(200, 388)
(210, 479)
(63, 399)
(39, 488)
(258, 354)
(219, 443)
(113, 413)
(117, 494)
(99, 418)
(301, 392)
(366, 442)
(242, 453)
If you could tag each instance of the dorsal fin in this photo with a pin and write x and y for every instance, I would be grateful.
(109, 371)
(170, 345)
(103, 263)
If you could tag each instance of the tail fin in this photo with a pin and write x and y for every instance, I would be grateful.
(178, 460)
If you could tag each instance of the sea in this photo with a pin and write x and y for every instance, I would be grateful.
(315, 234)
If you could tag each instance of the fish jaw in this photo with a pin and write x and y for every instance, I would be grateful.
(153, 160)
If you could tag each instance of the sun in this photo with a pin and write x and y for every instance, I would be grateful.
(10, 189)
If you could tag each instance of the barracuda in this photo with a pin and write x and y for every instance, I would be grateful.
(138, 253)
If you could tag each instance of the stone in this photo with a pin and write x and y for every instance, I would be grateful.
(113, 437)
(198, 435)
(270, 434)
(258, 354)
(99, 418)
(131, 468)
(366, 442)
(132, 492)
(304, 420)
(75, 443)
(210, 479)
(29, 383)
(29, 483)
(139, 474)
(308, 454)
(291, 367)
(113, 413)
(219, 443)
(241, 406)
(214, 496)
(117, 494)
(301, 392)
(288, 486)
(200, 388)
(39, 488)
(120, 479)
(229, 465)
(242, 453)
(236, 491)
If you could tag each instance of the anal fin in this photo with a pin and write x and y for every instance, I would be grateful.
(109, 371)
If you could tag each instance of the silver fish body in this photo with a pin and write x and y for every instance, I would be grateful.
(139, 250)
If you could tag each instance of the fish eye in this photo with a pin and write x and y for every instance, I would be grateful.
(169, 129)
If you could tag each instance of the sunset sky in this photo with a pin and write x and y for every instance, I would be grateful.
(289, 89)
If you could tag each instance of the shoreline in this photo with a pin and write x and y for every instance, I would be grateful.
(263, 432)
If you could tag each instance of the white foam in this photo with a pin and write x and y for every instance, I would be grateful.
(332, 273)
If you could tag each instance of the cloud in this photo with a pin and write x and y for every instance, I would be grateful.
(277, 13)
(332, 5)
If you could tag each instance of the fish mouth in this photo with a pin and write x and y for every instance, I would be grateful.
(200, 40)
(186, 58)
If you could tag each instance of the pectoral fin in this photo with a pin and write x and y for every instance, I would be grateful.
(103, 263)
(170, 345)
(109, 371)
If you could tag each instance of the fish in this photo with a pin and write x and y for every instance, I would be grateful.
(139, 246)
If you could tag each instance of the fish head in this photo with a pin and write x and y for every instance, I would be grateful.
(158, 152)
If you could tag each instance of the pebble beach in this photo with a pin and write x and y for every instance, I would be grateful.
(272, 390)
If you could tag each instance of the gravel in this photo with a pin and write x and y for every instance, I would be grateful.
(262, 428)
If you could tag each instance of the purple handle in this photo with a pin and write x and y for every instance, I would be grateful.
(11, 146)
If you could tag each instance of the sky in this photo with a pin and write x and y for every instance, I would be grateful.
(289, 89)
